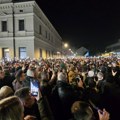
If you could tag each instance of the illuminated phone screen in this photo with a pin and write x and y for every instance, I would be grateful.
(34, 88)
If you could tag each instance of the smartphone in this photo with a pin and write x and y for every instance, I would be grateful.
(34, 88)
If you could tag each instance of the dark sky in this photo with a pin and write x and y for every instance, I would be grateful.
(93, 24)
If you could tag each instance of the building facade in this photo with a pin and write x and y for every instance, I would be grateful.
(25, 31)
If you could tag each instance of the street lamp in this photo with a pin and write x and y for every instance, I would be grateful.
(65, 45)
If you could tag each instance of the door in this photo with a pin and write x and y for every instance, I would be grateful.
(6, 53)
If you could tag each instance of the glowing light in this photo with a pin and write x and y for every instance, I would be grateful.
(65, 45)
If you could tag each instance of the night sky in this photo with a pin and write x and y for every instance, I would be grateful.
(93, 24)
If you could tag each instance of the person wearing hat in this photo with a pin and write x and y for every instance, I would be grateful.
(30, 75)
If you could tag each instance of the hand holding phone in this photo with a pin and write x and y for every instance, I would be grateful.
(104, 115)
(35, 89)
(39, 96)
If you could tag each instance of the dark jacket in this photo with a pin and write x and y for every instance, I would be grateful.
(111, 99)
(44, 109)
(6, 81)
(65, 97)
(40, 110)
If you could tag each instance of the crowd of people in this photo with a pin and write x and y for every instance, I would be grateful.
(69, 89)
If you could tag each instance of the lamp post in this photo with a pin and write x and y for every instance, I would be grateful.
(13, 16)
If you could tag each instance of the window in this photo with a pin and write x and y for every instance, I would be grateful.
(21, 10)
(52, 53)
(40, 29)
(22, 52)
(49, 36)
(4, 26)
(6, 53)
(21, 25)
(46, 53)
(49, 53)
(40, 53)
(46, 34)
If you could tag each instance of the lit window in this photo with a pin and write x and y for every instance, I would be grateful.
(40, 52)
(6, 53)
(22, 52)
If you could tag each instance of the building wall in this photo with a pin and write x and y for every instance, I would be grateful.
(30, 37)
(53, 39)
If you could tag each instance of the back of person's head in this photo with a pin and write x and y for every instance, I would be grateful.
(6, 70)
(115, 69)
(25, 96)
(6, 91)
(91, 83)
(91, 73)
(23, 93)
(81, 111)
(11, 109)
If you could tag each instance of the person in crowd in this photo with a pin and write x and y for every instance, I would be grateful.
(44, 84)
(19, 81)
(11, 109)
(92, 92)
(5, 81)
(5, 92)
(110, 97)
(71, 74)
(83, 111)
(62, 82)
(80, 88)
(116, 73)
(89, 77)
(65, 95)
(100, 82)
(33, 107)
(30, 75)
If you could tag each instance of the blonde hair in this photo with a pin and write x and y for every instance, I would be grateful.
(11, 109)
(6, 91)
